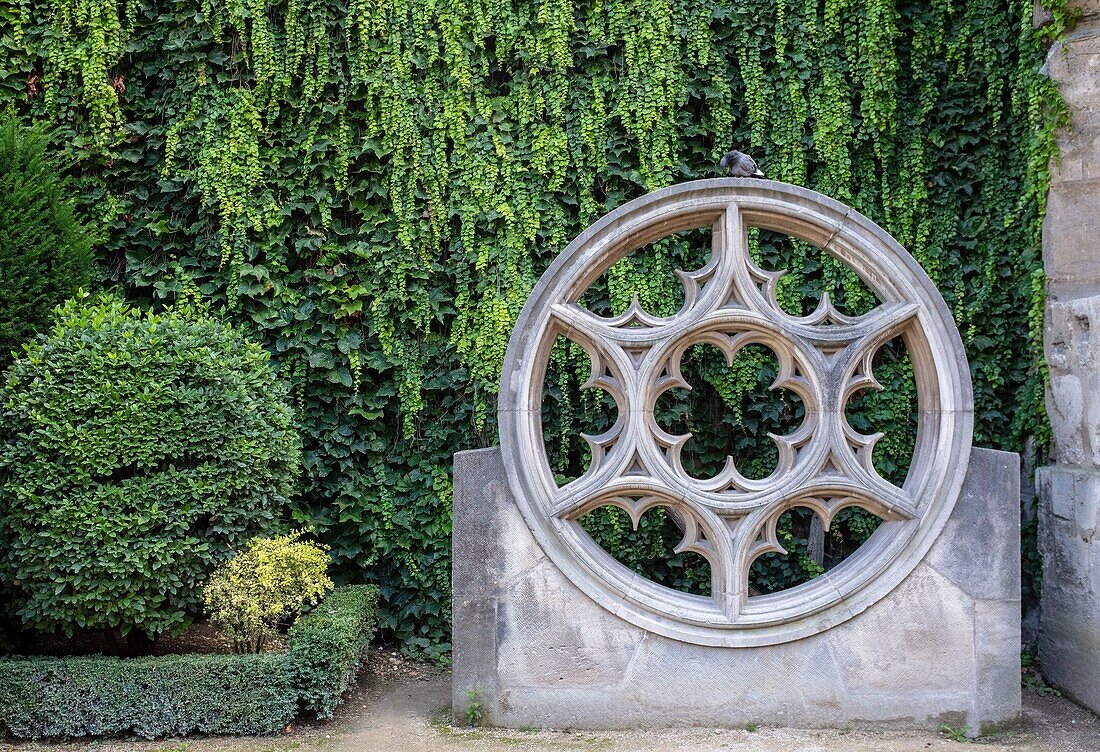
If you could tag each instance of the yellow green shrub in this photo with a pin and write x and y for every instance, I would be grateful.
(267, 584)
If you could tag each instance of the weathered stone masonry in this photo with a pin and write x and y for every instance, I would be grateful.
(921, 627)
(1069, 489)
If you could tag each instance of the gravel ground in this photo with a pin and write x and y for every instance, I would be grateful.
(402, 706)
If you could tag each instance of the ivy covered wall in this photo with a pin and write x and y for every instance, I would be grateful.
(373, 186)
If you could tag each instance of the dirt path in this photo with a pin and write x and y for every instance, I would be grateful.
(409, 714)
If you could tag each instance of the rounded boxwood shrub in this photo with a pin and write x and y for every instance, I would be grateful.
(45, 252)
(137, 450)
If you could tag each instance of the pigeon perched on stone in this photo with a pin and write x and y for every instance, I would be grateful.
(740, 165)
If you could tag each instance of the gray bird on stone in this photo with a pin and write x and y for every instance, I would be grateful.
(740, 165)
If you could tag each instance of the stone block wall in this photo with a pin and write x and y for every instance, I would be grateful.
(1069, 490)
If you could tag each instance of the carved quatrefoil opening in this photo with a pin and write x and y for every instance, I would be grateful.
(648, 281)
(579, 411)
(655, 542)
(808, 276)
(799, 545)
(720, 418)
(825, 463)
(886, 408)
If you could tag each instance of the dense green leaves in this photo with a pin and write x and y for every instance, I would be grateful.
(45, 252)
(329, 644)
(373, 188)
(136, 452)
(176, 695)
(155, 696)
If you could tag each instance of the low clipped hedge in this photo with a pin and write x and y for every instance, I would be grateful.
(154, 696)
(328, 645)
(175, 695)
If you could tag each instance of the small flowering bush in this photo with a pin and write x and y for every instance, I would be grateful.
(267, 584)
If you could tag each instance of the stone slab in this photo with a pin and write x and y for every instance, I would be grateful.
(943, 647)
(1073, 63)
(1069, 625)
(1073, 360)
(1071, 238)
(1069, 493)
(1071, 250)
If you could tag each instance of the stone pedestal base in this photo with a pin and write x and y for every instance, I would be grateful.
(943, 648)
(1069, 537)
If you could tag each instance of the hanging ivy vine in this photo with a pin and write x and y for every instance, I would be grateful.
(374, 188)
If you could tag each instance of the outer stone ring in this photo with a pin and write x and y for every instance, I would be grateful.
(824, 465)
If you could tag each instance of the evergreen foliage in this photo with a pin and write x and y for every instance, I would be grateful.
(45, 251)
(174, 695)
(137, 450)
(167, 695)
(328, 645)
(373, 188)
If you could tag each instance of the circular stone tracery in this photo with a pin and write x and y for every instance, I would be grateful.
(825, 465)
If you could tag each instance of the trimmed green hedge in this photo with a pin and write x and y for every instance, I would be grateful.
(328, 645)
(175, 695)
(155, 696)
(138, 450)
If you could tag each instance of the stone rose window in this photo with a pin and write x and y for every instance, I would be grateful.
(825, 358)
